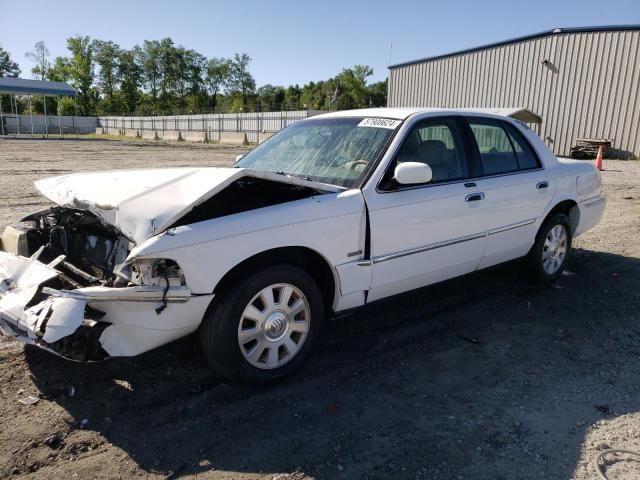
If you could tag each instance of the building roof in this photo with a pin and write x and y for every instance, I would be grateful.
(523, 114)
(22, 86)
(555, 31)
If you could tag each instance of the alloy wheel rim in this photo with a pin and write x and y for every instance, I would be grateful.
(273, 326)
(554, 249)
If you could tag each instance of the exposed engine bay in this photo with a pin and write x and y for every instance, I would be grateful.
(82, 252)
(78, 280)
(91, 251)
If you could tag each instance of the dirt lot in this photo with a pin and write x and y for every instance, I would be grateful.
(394, 391)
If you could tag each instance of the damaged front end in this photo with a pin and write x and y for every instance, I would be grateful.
(67, 285)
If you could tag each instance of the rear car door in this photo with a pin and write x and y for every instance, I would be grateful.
(422, 234)
(515, 185)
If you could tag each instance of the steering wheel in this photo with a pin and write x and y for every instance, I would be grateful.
(353, 164)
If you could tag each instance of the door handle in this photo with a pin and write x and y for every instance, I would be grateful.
(542, 185)
(474, 197)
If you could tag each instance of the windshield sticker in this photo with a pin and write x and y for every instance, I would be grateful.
(379, 123)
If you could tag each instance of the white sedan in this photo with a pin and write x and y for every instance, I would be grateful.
(332, 213)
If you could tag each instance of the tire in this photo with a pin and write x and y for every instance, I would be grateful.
(244, 319)
(549, 255)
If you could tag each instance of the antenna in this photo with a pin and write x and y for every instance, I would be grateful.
(390, 46)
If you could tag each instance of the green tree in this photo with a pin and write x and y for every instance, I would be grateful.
(81, 72)
(241, 82)
(107, 56)
(292, 97)
(40, 56)
(197, 65)
(353, 87)
(59, 71)
(378, 94)
(130, 74)
(169, 71)
(8, 68)
(270, 97)
(149, 60)
(217, 78)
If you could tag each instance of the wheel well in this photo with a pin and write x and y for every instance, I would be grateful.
(308, 260)
(570, 209)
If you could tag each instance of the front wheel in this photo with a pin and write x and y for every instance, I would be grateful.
(264, 327)
(548, 257)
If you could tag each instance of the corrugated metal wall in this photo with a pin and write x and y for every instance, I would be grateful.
(589, 87)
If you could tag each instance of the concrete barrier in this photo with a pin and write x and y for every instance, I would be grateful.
(171, 135)
(132, 133)
(195, 137)
(262, 136)
(99, 131)
(233, 138)
(149, 135)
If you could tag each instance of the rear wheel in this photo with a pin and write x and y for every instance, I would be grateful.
(265, 327)
(548, 257)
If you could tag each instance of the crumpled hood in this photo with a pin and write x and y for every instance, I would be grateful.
(143, 203)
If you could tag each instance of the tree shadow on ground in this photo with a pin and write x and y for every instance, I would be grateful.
(486, 376)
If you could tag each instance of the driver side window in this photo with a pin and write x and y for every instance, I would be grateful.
(439, 144)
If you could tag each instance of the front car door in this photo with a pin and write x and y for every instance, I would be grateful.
(422, 234)
(515, 185)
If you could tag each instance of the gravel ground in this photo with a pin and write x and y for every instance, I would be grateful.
(483, 377)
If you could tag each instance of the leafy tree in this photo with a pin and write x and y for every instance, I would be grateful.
(59, 71)
(187, 70)
(270, 97)
(149, 60)
(130, 74)
(292, 97)
(352, 86)
(196, 71)
(378, 94)
(167, 62)
(241, 82)
(217, 78)
(81, 72)
(160, 77)
(107, 55)
(40, 56)
(8, 68)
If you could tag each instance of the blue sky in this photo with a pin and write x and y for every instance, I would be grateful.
(298, 41)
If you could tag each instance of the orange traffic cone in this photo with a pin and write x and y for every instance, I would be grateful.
(599, 159)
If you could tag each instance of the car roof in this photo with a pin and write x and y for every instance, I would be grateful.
(519, 113)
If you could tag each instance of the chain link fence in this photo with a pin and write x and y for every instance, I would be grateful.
(211, 125)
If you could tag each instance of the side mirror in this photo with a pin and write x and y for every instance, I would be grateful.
(411, 173)
(238, 158)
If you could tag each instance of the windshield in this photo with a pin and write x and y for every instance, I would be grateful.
(336, 151)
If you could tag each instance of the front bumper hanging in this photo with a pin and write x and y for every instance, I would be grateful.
(91, 323)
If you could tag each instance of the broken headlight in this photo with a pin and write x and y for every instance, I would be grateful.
(157, 271)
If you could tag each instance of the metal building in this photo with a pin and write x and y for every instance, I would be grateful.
(583, 82)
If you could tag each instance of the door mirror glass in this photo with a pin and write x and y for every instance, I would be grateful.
(411, 173)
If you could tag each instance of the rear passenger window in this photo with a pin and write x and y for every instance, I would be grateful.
(502, 149)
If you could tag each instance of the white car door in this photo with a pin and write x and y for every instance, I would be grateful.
(422, 234)
(516, 188)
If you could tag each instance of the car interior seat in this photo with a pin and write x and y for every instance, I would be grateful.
(435, 154)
